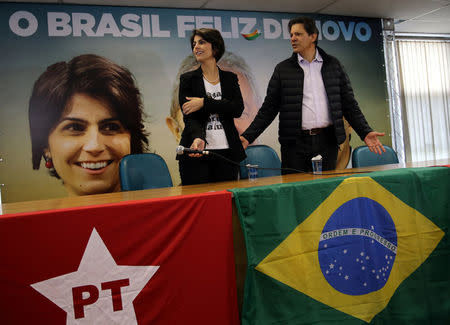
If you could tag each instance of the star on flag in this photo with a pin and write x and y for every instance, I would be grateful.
(100, 291)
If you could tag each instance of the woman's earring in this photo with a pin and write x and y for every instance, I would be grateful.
(48, 163)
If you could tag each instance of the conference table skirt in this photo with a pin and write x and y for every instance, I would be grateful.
(52, 242)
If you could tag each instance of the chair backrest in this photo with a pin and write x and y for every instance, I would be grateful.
(263, 156)
(362, 157)
(144, 171)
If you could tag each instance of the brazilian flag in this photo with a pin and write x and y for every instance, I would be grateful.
(363, 249)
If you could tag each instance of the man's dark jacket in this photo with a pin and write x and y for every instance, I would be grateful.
(285, 96)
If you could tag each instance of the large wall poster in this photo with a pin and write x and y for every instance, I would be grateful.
(153, 44)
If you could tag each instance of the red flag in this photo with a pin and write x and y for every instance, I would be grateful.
(157, 261)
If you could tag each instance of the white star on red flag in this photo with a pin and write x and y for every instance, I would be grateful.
(100, 291)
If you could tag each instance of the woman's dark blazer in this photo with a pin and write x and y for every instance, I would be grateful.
(229, 107)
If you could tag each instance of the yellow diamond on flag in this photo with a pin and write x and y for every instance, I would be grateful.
(303, 262)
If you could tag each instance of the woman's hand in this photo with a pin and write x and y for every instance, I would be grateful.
(197, 144)
(192, 105)
(244, 142)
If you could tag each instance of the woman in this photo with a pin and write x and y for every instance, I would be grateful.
(85, 115)
(210, 99)
(228, 62)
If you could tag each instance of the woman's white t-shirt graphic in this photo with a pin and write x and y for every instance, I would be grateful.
(215, 134)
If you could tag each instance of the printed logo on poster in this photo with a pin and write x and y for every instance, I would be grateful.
(252, 36)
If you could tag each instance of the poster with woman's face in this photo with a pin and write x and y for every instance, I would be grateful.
(82, 86)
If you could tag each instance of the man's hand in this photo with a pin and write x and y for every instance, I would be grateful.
(192, 105)
(373, 143)
(197, 144)
(244, 142)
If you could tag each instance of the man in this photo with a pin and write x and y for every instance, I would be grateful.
(312, 93)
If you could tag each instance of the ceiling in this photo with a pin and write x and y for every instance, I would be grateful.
(410, 16)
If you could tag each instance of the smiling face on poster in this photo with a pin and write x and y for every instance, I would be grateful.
(86, 146)
(152, 45)
(85, 115)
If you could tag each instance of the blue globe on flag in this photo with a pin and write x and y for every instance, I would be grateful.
(357, 247)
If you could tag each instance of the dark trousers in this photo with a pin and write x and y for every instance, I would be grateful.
(208, 169)
(296, 157)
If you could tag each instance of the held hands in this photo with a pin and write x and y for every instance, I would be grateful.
(197, 144)
(244, 142)
(192, 105)
(373, 143)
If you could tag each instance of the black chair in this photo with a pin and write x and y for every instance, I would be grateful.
(362, 157)
(144, 171)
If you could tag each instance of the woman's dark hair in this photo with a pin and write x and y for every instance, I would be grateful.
(212, 36)
(308, 24)
(96, 77)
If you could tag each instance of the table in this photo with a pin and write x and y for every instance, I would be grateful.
(238, 240)
(68, 202)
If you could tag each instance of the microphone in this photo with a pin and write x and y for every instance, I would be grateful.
(181, 150)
